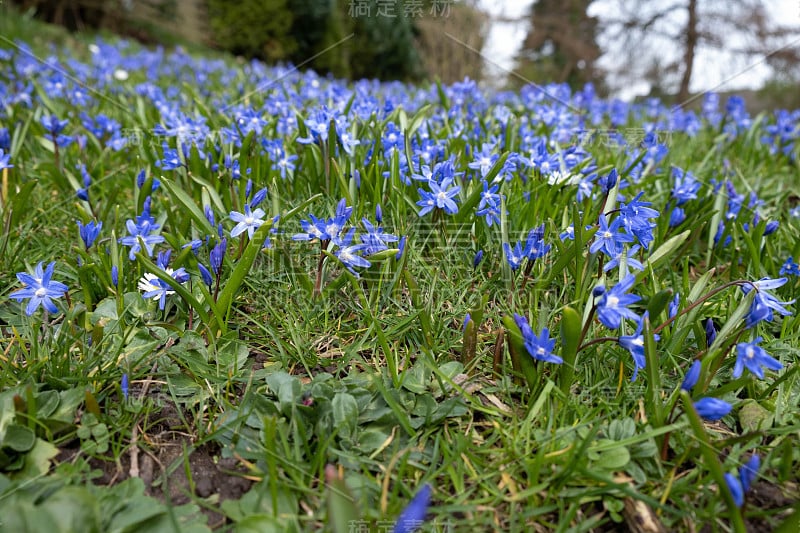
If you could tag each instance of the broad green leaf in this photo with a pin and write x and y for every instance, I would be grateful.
(666, 250)
(754, 417)
(19, 438)
(345, 413)
(570, 338)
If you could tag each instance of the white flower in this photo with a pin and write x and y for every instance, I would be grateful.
(151, 283)
(566, 178)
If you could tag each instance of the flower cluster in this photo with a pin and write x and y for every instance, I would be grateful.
(332, 231)
(534, 248)
(156, 288)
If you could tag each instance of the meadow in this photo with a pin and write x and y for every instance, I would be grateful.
(252, 298)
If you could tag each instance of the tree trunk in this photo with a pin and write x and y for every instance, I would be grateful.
(688, 53)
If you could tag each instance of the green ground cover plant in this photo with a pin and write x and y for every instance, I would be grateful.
(251, 298)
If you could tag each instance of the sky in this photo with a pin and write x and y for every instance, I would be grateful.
(712, 70)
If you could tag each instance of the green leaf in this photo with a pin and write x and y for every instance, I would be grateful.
(469, 342)
(371, 439)
(658, 302)
(189, 206)
(76, 508)
(345, 413)
(91, 403)
(570, 337)
(37, 461)
(47, 402)
(259, 524)
(232, 356)
(19, 438)
(25, 517)
(342, 509)
(653, 401)
(754, 417)
(665, 251)
(416, 379)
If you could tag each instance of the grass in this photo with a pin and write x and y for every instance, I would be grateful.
(293, 393)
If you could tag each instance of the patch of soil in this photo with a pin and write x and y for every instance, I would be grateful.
(161, 462)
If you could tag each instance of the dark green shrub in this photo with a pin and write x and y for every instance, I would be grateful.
(253, 28)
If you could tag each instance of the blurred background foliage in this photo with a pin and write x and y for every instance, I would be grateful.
(346, 38)
(418, 40)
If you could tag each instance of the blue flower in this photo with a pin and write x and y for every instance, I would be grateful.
(674, 306)
(209, 213)
(751, 356)
(194, 244)
(711, 332)
(441, 196)
(735, 486)
(712, 408)
(608, 238)
(248, 221)
(375, 238)
(5, 160)
(477, 259)
(535, 247)
(171, 160)
(749, 471)
(258, 197)
(608, 181)
(205, 275)
(325, 230)
(413, 515)
(568, 233)
(313, 228)
(124, 386)
(281, 161)
(765, 303)
(490, 204)
(115, 275)
(401, 247)
(40, 288)
(630, 260)
(540, 347)
(635, 217)
(216, 256)
(612, 307)
(89, 232)
(514, 256)
(686, 185)
(485, 159)
(692, 375)
(53, 125)
(677, 217)
(141, 230)
(350, 254)
(771, 227)
(635, 345)
(790, 267)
